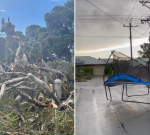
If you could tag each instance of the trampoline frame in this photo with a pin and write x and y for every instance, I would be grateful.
(124, 83)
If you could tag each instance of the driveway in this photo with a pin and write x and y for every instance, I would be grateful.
(96, 116)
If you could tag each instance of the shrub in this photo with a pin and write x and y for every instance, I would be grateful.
(88, 70)
(109, 69)
(84, 73)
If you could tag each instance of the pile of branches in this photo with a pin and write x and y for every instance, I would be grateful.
(28, 105)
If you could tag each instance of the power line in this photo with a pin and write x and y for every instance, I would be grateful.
(110, 1)
(94, 19)
(144, 32)
(103, 36)
(104, 12)
(98, 19)
(102, 19)
(139, 32)
(144, 14)
(110, 15)
(132, 10)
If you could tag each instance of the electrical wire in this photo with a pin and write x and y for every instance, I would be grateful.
(144, 14)
(141, 17)
(111, 16)
(102, 19)
(104, 36)
(132, 10)
(104, 11)
(144, 32)
(110, 1)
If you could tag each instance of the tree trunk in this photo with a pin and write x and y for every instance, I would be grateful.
(8, 53)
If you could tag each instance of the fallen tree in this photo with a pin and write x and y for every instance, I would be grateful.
(21, 85)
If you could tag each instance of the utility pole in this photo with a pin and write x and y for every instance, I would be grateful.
(130, 26)
(145, 3)
(146, 20)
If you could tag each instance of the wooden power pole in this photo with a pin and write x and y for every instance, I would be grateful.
(130, 26)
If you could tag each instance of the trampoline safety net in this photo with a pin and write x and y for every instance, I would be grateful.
(123, 64)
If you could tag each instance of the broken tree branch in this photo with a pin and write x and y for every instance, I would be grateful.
(29, 99)
(45, 86)
(3, 88)
(17, 107)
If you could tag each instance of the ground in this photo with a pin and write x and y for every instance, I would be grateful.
(96, 116)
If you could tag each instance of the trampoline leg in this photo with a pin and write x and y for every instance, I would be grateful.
(110, 93)
(127, 91)
(123, 92)
(106, 93)
(135, 95)
(130, 100)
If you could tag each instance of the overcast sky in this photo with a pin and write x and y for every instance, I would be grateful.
(97, 33)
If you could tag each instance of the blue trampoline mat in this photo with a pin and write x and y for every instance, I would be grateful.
(129, 78)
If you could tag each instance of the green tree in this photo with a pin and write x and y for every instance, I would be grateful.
(35, 52)
(32, 32)
(20, 34)
(60, 25)
(41, 29)
(145, 52)
(61, 46)
(2, 50)
(42, 35)
(47, 48)
(61, 19)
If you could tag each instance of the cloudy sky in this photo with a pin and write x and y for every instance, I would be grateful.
(99, 27)
(23, 13)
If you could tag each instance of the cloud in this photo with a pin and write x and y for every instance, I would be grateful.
(136, 42)
(91, 21)
(3, 10)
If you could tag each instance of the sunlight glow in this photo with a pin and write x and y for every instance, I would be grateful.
(136, 42)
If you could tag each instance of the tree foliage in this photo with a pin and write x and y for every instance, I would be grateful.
(56, 38)
(20, 34)
(145, 52)
(49, 44)
(31, 32)
(60, 20)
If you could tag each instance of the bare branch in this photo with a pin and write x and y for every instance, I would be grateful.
(3, 21)
(28, 88)
(18, 73)
(29, 99)
(3, 88)
(45, 86)
(18, 84)
(17, 107)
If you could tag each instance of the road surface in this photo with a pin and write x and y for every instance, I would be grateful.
(94, 115)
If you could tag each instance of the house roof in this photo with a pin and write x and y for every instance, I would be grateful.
(88, 60)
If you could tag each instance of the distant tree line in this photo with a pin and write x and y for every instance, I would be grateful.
(55, 41)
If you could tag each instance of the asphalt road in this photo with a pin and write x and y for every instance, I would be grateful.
(94, 115)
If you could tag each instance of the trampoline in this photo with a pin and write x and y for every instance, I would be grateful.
(126, 71)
